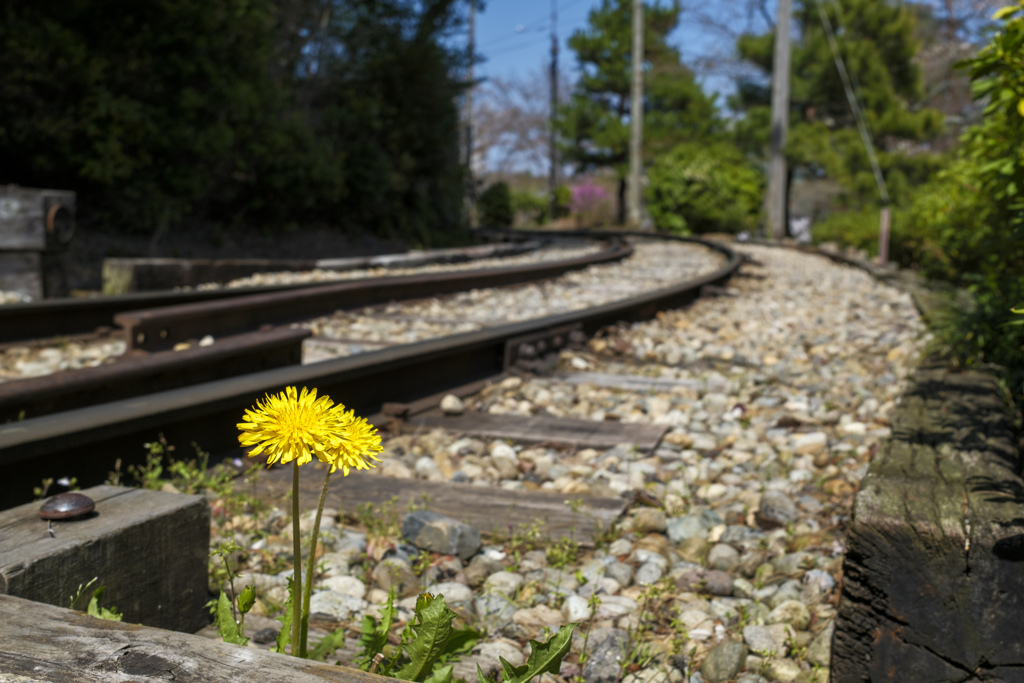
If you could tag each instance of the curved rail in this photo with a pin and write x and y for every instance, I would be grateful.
(244, 342)
(161, 328)
(67, 317)
(207, 413)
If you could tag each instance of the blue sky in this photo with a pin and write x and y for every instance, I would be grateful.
(514, 37)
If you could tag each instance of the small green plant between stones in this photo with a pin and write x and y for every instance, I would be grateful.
(231, 624)
(93, 609)
(430, 641)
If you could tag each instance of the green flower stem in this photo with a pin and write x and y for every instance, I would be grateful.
(297, 573)
(311, 566)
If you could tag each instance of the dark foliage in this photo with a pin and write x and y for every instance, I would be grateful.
(495, 206)
(238, 112)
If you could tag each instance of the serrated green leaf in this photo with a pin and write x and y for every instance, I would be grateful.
(375, 635)
(227, 627)
(461, 642)
(284, 636)
(510, 672)
(430, 635)
(544, 658)
(442, 674)
(480, 678)
(331, 642)
(94, 609)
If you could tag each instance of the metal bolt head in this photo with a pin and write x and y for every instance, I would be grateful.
(67, 506)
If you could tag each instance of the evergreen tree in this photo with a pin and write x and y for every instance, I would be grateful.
(876, 41)
(594, 125)
(143, 106)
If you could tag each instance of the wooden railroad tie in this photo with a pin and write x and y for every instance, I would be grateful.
(149, 549)
(44, 643)
(488, 509)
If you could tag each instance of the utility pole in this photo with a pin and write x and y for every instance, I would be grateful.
(552, 141)
(636, 119)
(777, 172)
(471, 181)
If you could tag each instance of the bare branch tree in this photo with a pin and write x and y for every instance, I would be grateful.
(512, 120)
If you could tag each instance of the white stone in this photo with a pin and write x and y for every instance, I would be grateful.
(692, 618)
(810, 443)
(505, 583)
(452, 591)
(576, 609)
(852, 429)
(500, 449)
(346, 585)
(771, 639)
(336, 604)
(425, 466)
(613, 606)
(791, 612)
(452, 405)
(503, 648)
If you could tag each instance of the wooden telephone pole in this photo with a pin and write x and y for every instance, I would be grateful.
(777, 171)
(636, 120)
(470, 180)
(552, 138)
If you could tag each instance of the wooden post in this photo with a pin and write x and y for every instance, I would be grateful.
(636, 118)
(148, 548)
(471, 55)
(552, 134)
(777, 173)
(31, 221)
(883, 236)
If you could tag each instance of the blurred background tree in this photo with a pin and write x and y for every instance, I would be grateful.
(878, 44)
(594, 124)
(254, 112)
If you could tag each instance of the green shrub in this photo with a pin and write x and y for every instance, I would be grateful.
(859, 228)
(563, 198)
(974, 213)
(946, 224)
(699, 188)
(495, 206)
(531, 205)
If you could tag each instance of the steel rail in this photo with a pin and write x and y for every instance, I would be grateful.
(248, 346)
(161, 328)
(149, 274)
(66, 317)
(134, 375)
(206, 414)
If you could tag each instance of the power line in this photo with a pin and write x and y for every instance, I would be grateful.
(533, 43)
(537, 25)
(883, 227)
(518, 34)
(851, 97)
(857, 90)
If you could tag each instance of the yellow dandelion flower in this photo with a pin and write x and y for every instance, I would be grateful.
(357, 446)
(296, 426)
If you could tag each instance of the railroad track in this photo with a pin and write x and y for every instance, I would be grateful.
(242, 318)
(41, 321)
(87, 440)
